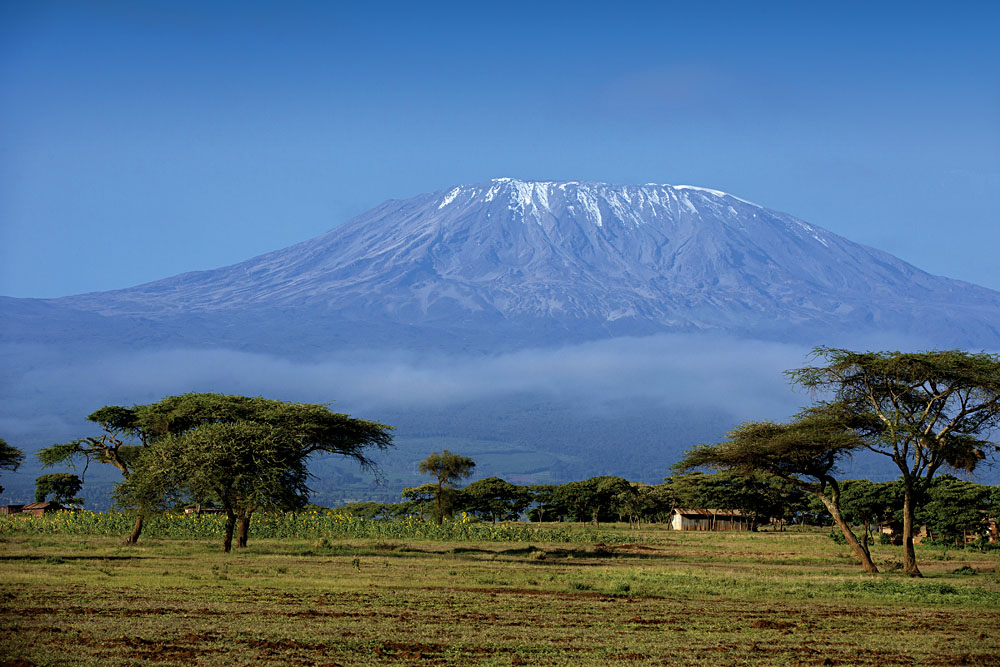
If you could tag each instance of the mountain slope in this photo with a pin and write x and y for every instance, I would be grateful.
(510, 262)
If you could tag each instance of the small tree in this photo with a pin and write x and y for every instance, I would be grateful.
(543, 497)
(243, 453)
(119, 446)
(10, 457)
(62, 486)
(644, 502)
(244, 467)
(421, 500)
(804, 453)
(870, 503)
(448, 469)
(955, 508)
(596, 499)
(495, 499)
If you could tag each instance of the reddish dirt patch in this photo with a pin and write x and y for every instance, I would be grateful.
(766, 624)
(637, 620)
(404, 651)
(634, 549)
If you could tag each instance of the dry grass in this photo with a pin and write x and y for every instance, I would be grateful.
(678, 598)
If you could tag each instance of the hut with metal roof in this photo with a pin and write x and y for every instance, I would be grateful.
(709, 519)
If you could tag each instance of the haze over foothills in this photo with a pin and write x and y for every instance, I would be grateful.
(142, 141)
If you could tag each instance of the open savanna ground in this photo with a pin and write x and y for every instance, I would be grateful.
(634, 597)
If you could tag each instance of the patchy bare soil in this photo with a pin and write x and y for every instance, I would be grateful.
(609, 604)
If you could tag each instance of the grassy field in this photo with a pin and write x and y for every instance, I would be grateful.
(656, 597)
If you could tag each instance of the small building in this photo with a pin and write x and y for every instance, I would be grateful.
(38, 509)
(204, 510)
(894, 529)
(709, 519)
(7, 510)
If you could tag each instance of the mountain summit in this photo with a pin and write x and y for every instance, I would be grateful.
(512, 262)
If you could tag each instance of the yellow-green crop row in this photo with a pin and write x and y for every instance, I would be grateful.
(314, 524)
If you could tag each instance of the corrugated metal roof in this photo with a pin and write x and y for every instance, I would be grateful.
(708, 512)
(42, 506)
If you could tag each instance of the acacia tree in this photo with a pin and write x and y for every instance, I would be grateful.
(308, 428)
(243, 453)
(805, 453)
(448, 469)
(496, 499)
(129, 432)
(242, 466)
(420, 499)
(62, 486)
(124, 435)
(543, 497)
(870, 503)
(646, 502)
(933, 409)
(596, 499)
(10, 457)
(955, 508)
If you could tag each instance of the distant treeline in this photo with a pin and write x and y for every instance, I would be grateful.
(950, 508)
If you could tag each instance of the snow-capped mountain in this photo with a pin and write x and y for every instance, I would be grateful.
(510, 262)
(497, 267)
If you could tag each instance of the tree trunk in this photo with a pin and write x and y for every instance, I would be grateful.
(227, 541)
(864, 540)
(243, 530)
(909, 555)
(136, 531)
(852, 540)
(437, 504)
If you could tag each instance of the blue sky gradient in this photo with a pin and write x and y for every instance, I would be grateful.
(140, 140)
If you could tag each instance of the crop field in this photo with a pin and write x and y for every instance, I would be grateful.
(562, 595)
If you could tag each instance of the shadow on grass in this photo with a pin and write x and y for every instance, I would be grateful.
(63, 559)
(536, 554)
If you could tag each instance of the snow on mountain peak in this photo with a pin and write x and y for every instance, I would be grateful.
(530, 198)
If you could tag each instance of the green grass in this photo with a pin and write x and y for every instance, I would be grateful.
(320, 524)
(656, 597)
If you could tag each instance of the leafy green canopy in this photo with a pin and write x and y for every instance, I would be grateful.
(495, 499)
(62, 486)
(243, 453)
(595, 499)
(312, 426)
(242, 466)
(447, 468)
(954, 508)
(10, 457)
(804, 451)
(933, 409)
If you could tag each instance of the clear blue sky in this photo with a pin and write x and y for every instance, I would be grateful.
(143, 139)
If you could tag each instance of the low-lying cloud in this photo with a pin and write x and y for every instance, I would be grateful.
(743, 378)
